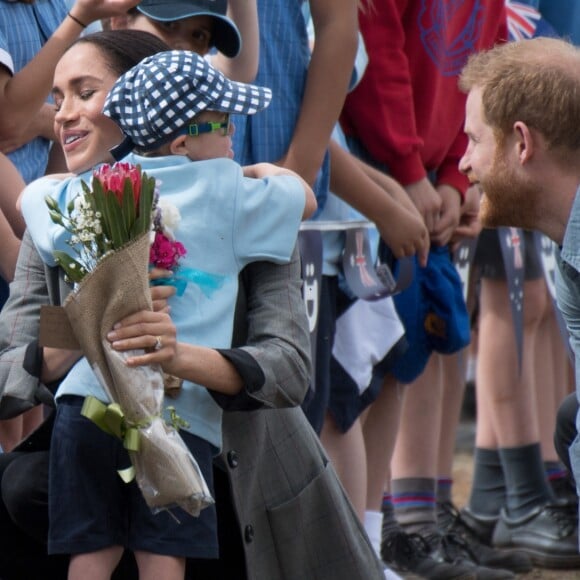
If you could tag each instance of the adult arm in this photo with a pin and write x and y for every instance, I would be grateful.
(23, 94)
(327, 82)
(269, 364)
(11, 186)
(243, 67)
(9, 251)
(21, 358)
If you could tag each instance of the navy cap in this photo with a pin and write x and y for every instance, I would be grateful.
(226, 36)
(155, 100)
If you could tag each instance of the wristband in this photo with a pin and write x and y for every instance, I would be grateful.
(75, 19)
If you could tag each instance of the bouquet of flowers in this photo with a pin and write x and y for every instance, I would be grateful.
(111, 225)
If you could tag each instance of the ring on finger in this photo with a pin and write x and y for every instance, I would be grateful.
(158, 344)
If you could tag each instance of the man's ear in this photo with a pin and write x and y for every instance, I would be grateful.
(177, 146)
(524, 142)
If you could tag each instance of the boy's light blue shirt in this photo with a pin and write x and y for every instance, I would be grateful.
(227, 221)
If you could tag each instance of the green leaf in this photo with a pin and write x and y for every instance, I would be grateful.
(73, 269)
(144, 217)
(128, 208)
(119, 235)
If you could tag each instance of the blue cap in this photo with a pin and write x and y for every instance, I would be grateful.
(156, 99)
(226, 36)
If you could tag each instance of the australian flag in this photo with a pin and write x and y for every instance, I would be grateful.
(525, 21)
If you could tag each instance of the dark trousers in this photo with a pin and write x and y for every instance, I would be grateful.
(24, 527)
(565, 431)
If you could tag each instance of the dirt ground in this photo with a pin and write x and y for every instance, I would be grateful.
(462, 473)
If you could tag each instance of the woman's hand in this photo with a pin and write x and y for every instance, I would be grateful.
(153, 332)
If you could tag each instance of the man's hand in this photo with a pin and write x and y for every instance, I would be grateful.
(426, 200)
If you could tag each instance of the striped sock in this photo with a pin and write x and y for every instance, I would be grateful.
(414, 504)
(444, 486)
(390, 523)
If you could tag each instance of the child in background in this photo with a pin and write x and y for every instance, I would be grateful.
(228, 32)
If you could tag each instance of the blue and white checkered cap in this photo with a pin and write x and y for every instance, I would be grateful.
(155, 100)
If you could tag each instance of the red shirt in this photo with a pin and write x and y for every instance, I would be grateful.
(407, 109)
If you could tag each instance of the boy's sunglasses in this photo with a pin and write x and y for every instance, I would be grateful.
(196, 129)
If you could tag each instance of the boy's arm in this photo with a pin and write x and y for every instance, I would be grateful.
(23, 94)
(243, 67)
(329, 73)
(401, 227)
(262, 170)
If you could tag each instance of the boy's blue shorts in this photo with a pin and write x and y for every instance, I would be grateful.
(433, 312)
(91, 508)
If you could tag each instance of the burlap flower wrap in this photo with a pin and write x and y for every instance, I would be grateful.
(165, 470)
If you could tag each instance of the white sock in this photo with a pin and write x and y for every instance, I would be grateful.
(373, 524)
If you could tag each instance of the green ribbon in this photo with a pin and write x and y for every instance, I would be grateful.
(177, 422)
(111, 419)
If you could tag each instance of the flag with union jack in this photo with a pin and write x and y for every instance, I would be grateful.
(522, 20)
(525, 21)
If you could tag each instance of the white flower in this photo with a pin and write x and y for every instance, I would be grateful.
(170, 218)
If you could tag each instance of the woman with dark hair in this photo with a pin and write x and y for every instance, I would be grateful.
(290, 515)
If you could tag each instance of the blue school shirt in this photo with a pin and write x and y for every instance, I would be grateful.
(227, 221)
(283, 64)
(24, 29)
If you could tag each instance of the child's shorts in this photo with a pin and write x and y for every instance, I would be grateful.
(488, 257)
(335, 390)
(91, 508)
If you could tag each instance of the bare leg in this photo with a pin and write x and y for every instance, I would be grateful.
(453, 391)
(415, 453)
(380, 426)
(347, 453)
(505, 398)
(95, 565)
(156, 566)
(10, 433)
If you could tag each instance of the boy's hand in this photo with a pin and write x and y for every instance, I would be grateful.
(406, 235)
(161, 294)
(449, 216)
(469, 224)
(426, 200)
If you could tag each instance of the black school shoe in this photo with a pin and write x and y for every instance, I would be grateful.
(436, 557)
(548, 534)
(450, 520)
(412, 553)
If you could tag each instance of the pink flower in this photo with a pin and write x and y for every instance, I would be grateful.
(165, 253)
(113, 177)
